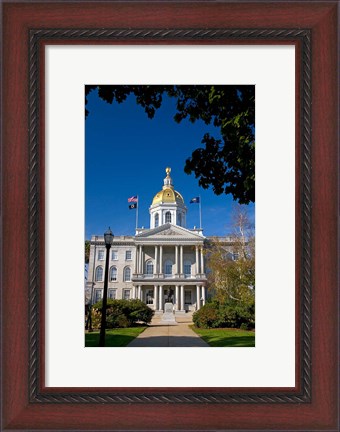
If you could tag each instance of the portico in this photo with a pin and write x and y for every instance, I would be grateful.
(185, 297)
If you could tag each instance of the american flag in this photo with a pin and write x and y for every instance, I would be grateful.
(133, 199)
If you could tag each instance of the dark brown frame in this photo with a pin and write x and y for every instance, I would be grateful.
(27, 403)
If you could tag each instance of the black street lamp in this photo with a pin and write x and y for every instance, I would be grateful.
(108, 238)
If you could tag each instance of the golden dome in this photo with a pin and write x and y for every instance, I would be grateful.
(168, 193)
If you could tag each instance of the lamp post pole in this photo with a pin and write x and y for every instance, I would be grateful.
(89, 323)
(108, 238)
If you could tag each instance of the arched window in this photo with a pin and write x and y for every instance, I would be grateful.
(127, 274)
(99, 274)
(156, 220)
(167, 217)
(179, 219)
(168, 267)
(113, 274)
(187, 268)
(149, 267)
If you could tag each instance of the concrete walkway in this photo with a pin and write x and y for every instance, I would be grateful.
(159, 334)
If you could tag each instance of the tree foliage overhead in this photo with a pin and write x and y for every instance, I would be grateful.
(227, 163)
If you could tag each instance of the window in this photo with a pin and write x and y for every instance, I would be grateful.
(187, 268)
(128, 255)
(127, 274)
(235, 256)
(149, 296)
(168, 267)
(100, 254)
(168, 217)
(99, 274)
(156, 220)
(179, 219)
(149, 267)
(112, 294)
(98, 294)
(113, 274)
(114, 255)
(126, 294)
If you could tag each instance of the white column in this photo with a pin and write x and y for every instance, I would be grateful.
(134, 292)
(140, 270)
(156, 260)
(136, 260)
(182, 297)
(197, 262)
(155, 297)
(176, 260)
(139, 292)
(142, 260)
(202, 261)
(160, 297)
(203, 295)
(181, 258)
(177, 298)
(198, 300)
(160, 259)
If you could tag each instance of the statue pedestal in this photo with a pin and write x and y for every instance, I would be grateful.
(168, 315)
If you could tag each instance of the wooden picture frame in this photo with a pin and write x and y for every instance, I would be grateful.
(27, 403)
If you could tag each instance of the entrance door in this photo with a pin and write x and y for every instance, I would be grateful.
(149, 296)
(187, 299)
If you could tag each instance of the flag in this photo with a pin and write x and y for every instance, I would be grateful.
(132, 206)
(133, 199)
(195, 200)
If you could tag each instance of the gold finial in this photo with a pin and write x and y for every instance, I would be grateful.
(168, 171)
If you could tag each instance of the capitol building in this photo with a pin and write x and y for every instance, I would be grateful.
(161, 264)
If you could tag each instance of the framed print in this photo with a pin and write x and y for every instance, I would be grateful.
(63, 53)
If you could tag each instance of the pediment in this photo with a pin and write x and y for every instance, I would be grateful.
(169, 231)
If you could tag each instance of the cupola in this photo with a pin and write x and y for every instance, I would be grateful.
(167, 205)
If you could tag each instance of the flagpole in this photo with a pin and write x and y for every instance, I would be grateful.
(200, 211)
(137, 213)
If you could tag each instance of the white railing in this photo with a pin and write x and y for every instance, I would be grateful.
(168, 276)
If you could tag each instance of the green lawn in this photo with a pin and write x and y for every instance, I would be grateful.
(226, 337)
(114, 337)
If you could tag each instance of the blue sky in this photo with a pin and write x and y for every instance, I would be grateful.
(126, 154)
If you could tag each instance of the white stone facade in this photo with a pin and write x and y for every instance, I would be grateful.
(164, 264)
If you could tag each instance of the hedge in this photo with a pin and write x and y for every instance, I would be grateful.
(232, 314)
(122, 313)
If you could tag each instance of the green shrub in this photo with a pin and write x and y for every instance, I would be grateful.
(206, 317)
(122, 313)
(228, 316)
(117, 321)
(231, 314)
(139, 311)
